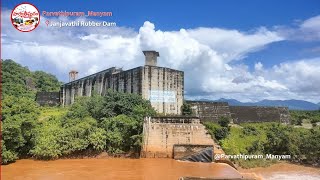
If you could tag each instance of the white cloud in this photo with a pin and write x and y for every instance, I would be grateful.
(312, 23)
(212, 58)
(308, 30)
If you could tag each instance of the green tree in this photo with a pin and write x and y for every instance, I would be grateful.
(121, 131)
(80, 108)
(19, 106)
(19, 120)
(98, 139)
(46, 82)
(311, 146)
(224, 121)
(283, 140)
(250, 130)
(7, 155)
(117, 103)
(46, 141)
(299, 121)
(186, 109)
(14, 80)
(19, 81)
(112, 104)
(63, 136)
(217, 131)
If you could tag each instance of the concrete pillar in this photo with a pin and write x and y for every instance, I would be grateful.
(72, 94)
(151, 57)
(63, 96)
(101, 84)
(90, 87)
(68, 94)
(81, 87)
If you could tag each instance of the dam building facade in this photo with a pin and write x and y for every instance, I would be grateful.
(164, 87)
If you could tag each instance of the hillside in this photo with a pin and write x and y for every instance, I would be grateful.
(19, 81)
(291, 104)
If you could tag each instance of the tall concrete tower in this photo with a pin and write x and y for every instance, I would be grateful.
(151, 58)
(73, 75)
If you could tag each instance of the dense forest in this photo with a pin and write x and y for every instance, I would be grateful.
(19, 110)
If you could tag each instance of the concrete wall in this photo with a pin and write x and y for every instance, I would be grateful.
(115, 79)
(48, 98)
(160, 134)
(243, 114)
(141, 80)
(98, 82)
(163, 80)
(210, 111)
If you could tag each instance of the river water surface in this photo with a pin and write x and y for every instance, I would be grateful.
(118, 169)
(148, 169)
(286, 171)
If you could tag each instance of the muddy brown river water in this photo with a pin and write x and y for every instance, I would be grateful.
(134, 169)
(286, 171)
(118, 169)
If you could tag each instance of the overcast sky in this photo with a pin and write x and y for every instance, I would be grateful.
(241, 53)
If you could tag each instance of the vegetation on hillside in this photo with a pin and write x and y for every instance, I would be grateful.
(267, 138)
(300, 117)
(112, 123)
(19, 81)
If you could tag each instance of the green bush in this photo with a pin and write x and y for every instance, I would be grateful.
(98, 139)
(64, 136)
(46, 141)
(46, 82)
(272, 138)
(19, 120)
(216, 131)
(310, 146)
(186, 109)
(94, 123)
(282, 140)
(111, 105)
(250, 130)
(7, 155)
(118, 103)
(297, 117)
(15, 77)
(120, 130)
(224, 121)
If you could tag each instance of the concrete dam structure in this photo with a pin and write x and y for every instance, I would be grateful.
(213, 111)
(245, 114)
(210, 111)
(161, 134)
(164, 87)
